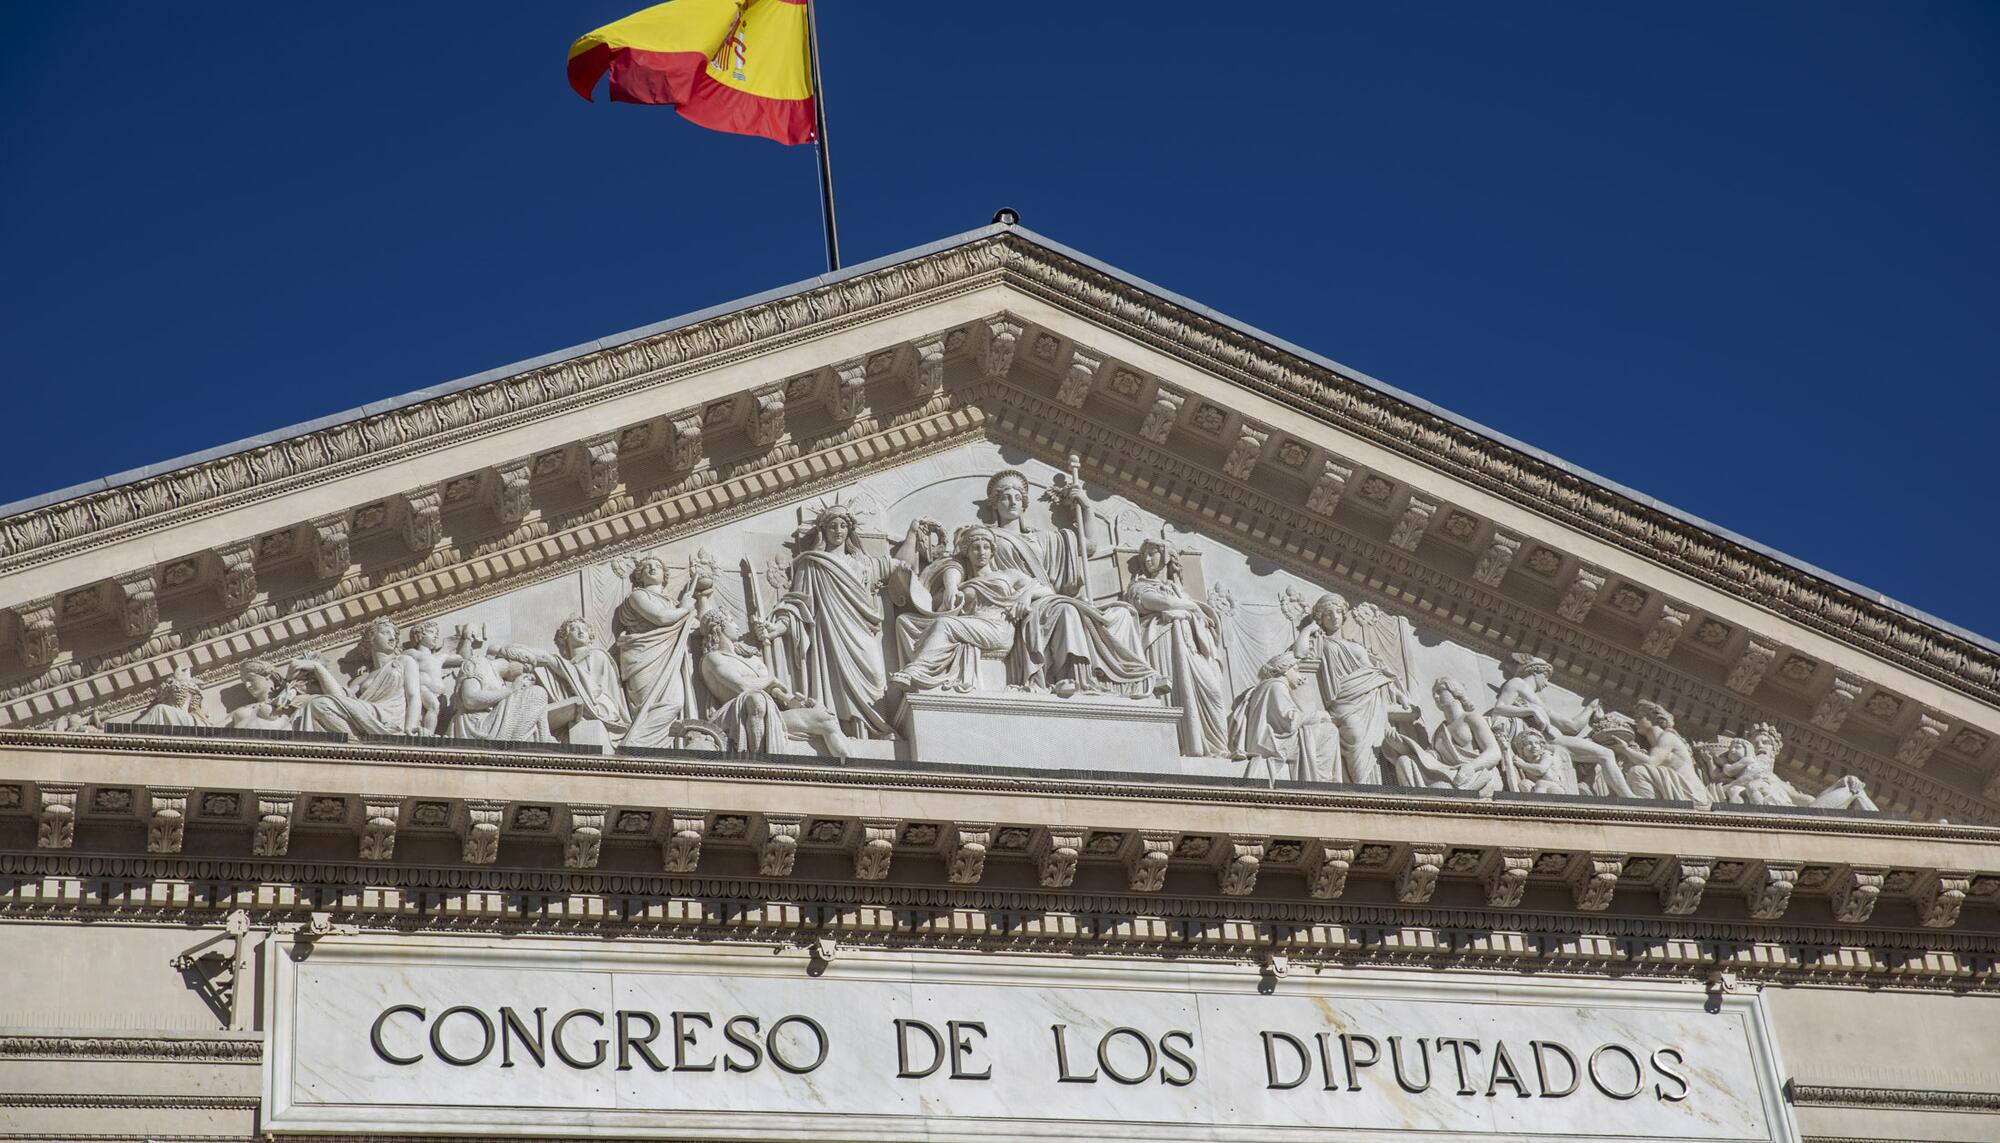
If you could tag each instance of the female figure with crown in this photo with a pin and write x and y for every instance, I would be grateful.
(831, 621)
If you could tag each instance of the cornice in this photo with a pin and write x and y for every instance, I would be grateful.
(1324, 936)
(1462, 453)
(183, 495)
(807, 771)
(1453, 449)
(1062, 865)
(1315, 549)
(98, 1101)
(1890, 1098)
(135, 1049)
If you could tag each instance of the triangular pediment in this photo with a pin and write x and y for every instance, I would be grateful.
(518, 499)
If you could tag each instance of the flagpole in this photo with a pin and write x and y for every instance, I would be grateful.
(819, 133)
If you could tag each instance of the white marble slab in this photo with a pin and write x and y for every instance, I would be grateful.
(1207, 1055)
(1044, 732)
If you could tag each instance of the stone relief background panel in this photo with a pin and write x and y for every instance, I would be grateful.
(983, 607)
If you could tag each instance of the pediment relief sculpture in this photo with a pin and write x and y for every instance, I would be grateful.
(1195, 435)
(968, 585)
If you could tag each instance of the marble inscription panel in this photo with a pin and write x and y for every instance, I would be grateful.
(527, 1038)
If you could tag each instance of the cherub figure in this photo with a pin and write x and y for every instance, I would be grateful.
(425, 685)
(1519, 706)
(1747, 769)
(1544, 766)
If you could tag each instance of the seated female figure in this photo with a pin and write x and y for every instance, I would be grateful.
(977, 606)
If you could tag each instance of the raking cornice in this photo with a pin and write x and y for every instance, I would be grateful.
(150, 503)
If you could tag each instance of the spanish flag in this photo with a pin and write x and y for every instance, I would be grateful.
(729, 65)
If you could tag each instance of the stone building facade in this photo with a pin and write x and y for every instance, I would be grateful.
(975, 696)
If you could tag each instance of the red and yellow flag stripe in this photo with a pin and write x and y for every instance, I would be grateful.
(729, 65)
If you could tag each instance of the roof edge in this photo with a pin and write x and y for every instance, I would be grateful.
(915, 253)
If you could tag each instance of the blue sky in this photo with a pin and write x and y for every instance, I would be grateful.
(1740, 257)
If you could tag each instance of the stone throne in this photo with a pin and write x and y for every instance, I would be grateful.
(1001, 723)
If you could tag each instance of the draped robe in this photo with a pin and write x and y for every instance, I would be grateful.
(1677, 780)
(1444, 762)
(944, 651)
(1358, 692)
(372, 703)
(1186, 653)
(520, 715)
(836, 638)
(592, 680)
(750, 716)
(653, 664)
(1063, 626)
(1267, 725)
